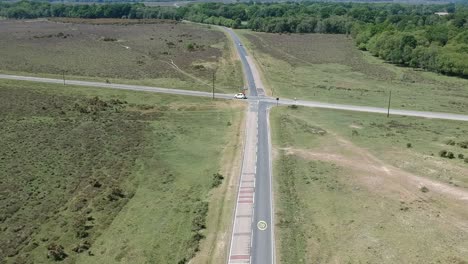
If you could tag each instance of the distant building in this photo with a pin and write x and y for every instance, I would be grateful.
(441, 13)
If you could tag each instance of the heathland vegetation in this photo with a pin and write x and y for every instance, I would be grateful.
(154, 52)
(327, 67)
(412, 35)
(93, 175)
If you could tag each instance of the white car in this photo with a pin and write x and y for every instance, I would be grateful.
(240, 96)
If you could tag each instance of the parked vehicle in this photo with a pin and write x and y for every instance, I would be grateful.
(240, 96)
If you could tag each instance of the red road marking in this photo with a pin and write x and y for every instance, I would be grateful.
(240, 257)
(245, 201)
(243, 197)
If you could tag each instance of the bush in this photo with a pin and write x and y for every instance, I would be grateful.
(443, 153)
(109, 39)
(408, 145)
(461, 156)
(79, 225)
(463, 144)
(116, 194)
(81, 247)
(199, 220)
(450, 155)
(450, 142)
(217, 180)
(424, 189)
(293, 106)
(466, 160)
(56, 252)
(191, 47)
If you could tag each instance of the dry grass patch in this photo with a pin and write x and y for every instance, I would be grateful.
(347, 194)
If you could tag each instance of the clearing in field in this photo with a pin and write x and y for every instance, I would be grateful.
(105, 176)
(363, 188)
(150, 52)
(329, 68)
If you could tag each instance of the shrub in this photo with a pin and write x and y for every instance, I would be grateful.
(199, 220)
(56, 252)
(81, 247)
(109, 39)
(463, 144)
(443, 153)
(79, 226)
(450, 142)
(217, 180)
(461, 156)
(116, 194)
(191, 47)
(293, 106)
(199, 67)
(466, 160)
(450, 155)
(409, 145)
(424, 189)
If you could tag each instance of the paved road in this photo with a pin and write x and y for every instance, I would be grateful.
(253, 97)
(117, 86)
(245, 64)
(260, 218)
(369, 109)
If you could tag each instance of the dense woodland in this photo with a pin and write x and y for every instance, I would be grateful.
(411, 35)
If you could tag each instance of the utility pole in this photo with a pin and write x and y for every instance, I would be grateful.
(389, 100)
(213, 84)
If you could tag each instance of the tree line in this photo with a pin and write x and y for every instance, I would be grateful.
(412, 35)
(34, 9)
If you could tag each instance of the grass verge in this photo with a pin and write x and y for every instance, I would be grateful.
(351, 190)
(100, 176)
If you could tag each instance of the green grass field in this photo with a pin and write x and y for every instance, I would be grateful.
(329, 68)
(349, 188)
(110, 176)
(149, 52)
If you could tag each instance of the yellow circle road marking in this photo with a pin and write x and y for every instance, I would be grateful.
(262, 225)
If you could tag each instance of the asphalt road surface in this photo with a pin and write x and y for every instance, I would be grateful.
(245, 65)
(268, 100)
(252, 239)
